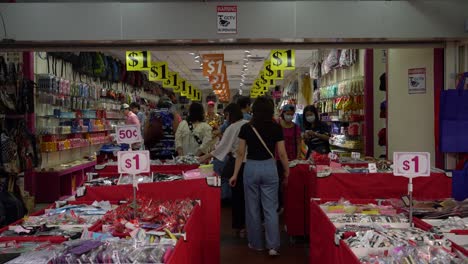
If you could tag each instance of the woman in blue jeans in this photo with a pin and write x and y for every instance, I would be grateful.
(261, 136)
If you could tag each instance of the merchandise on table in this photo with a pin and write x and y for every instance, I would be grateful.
(94, 251)
(151, 215)
(67, 221)
(413, 254)
(127, 179)
(437, 209)
(449, 224)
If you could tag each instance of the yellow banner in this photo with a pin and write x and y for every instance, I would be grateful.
(158, 71)
(283, 59)
(178, 89)
(172, 80)
(138, 60)
(184, 88)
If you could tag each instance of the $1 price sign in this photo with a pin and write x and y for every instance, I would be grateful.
(213, 64)
(138, 60)
(128, 134)
(283, 60)
(133, 162)
(411, 164)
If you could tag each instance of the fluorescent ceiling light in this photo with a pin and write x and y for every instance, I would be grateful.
(246, 59)
(197, 61)
(247, 51)
(249, 55)
(191, 53)
(197, 57)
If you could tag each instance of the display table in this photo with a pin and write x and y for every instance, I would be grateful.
(325, 249)
(303, 184)
(209, 228)
(50, 186)
(378, 185)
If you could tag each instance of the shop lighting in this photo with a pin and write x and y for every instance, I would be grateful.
(192, 53)
(197, 57)
(245, 59)
(197, 61)
(245, 66)
(249, 55)
(247, 51)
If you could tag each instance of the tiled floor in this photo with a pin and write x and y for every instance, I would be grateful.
(235, 250)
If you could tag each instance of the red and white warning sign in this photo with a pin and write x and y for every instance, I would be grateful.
(226, 19)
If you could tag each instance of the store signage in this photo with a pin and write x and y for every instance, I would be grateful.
(283, 59)
(411, 164)
(372, 167)
(128, 134)
(171, 81)
(226, 19)
(417, 81)
(138, 60)
(158, 71)
(213, 64)
(133, 162)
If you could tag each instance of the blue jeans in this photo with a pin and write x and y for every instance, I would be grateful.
(218, 166)
(261, 188)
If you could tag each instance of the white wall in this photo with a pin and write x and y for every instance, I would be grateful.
(410, 116)
(335, 21)
(379, 96)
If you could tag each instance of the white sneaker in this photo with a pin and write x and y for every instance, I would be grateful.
(273, 252)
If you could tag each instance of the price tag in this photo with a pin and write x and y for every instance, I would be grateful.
(138, 60)
(133, 162)
(172, 80)
(158, 71)
(128, 134)
(411, 164)
(355, 155)
(213, 64)
(372, 168)
(332, 155)
(283, 59)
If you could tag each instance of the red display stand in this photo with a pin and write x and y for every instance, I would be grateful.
(303, 184)
(208, 229)
(50, 186)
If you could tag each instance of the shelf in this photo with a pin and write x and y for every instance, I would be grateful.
(343, 121)
(73, 168)
(346, 148)
(72, 133)
(338, 96)
(74, 148)
(3, 116)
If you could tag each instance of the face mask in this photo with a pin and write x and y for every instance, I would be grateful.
(310, 119)
(288, 118)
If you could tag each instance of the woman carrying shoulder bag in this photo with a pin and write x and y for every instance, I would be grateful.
(259, 138)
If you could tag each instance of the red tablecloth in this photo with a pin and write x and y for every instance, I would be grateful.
(208, 228)
(323, 249)
(378, 185)
(303, 185)
(111, 170)
(295, 200)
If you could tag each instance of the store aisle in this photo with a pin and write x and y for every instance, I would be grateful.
(234, 250)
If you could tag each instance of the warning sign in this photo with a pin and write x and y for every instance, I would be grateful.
(227, 19)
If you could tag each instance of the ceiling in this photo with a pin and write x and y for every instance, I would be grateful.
(238, 62)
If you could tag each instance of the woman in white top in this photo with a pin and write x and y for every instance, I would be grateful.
(194, 134)
(228, 147)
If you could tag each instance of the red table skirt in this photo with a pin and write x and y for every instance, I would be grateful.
(323, 249)
(295, 200)
(111, 170)
(207, 228)
(379, 185)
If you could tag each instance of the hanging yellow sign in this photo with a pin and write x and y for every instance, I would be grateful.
(138, 60)
(271, 83)
(178, 89)
(184, 88)
(158, 71)
(172, 80)
(283, 59)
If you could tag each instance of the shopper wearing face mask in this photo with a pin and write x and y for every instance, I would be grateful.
(316, 133)
(291, 132)
(292, 142)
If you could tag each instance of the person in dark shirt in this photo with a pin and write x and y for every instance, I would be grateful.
(316, 134)
(261, 179)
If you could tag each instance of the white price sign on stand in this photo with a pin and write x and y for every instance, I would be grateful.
(128, 134)
(133, 162)
(412, 164)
